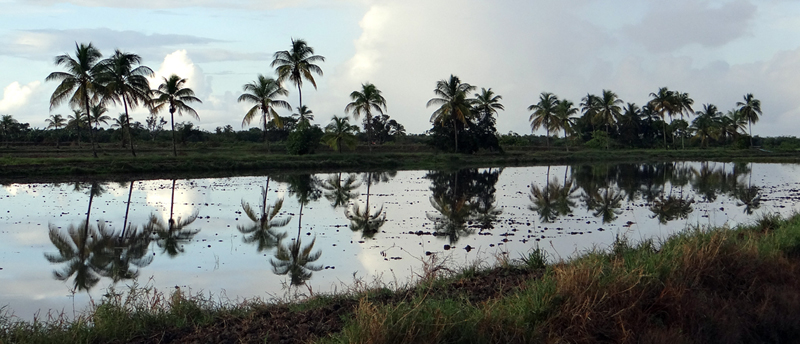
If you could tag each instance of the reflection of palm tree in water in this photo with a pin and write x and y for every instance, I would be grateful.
(82, 246)
(460, 197)
(365, 220)
(554, 199)
(338, 191)
(669, 208)
(749, 196)
(82, 250)
(294, 259)
(262, 231)
(173, 235)
(605, 203)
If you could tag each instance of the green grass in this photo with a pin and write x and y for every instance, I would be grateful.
(243, 159)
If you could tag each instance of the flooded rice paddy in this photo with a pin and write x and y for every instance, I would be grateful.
(63, 245)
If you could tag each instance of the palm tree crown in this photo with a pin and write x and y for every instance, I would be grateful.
(297, 64)
(364, 102)
(78, 83)
(750, 109)
(125, 82)
(487, 103)
(172, 93)
(544, 114)
(451, 97)
(262, 92)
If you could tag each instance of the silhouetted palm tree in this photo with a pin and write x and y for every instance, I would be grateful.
(564, 119)
(454, 106)
(303, 115)
(544, 114)
(340, 132)
(172, 93)
(364, 102)
(125, 82)
(56, 122)
(79, 83)
(263, 93)
(750, 109)
(296, 64)
(487, 103)
(664, 103)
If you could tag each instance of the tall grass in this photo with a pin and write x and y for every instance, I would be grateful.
(716, 285)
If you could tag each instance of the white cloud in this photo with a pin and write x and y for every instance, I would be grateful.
(180, 64)
(16, 95)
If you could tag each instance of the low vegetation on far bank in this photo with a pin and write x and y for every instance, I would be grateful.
(703, 285)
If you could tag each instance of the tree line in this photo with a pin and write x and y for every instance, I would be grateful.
(462, 121)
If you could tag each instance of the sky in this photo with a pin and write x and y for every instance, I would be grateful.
(717, 51)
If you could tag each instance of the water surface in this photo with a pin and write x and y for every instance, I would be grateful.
(264, 236)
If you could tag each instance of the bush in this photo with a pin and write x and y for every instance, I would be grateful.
(304, 139)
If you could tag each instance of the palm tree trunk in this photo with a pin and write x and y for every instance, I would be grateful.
(566, 141)
(300, 220)
(300, 93)
(368, 124)
(265, 131)
(172, 207)
(127, 208)
(665, 131)
(91, 135)
(88, 212)
(128, 119)
(455, 131)
(172, 120)
(547, 138)
(750, 126)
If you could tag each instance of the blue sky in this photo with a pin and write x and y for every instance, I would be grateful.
(715, 50)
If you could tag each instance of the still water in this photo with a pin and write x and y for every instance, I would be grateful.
(266, 236)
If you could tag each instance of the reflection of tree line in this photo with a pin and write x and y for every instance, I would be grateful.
(602, 189)
(91, 251)
(463, 201)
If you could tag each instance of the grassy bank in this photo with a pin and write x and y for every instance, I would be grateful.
(700, 286)
(23, 163)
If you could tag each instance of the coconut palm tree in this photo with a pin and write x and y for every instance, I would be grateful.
(79, 84)
(544, 114)
(340, 132)
(263, 93)
(365, 102)
(564, 118)
(120, 124)
(609, 110)
(56, 122)
(544, 201)
(98, 115)
(705, 125)
(684, 104)
(664, 104)
(750, 109)
(487, 103)
(76, 122)
(590, 106)
(454, 106)
(296, 64)
(303, 115)
(172, 93)
(124, 80)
